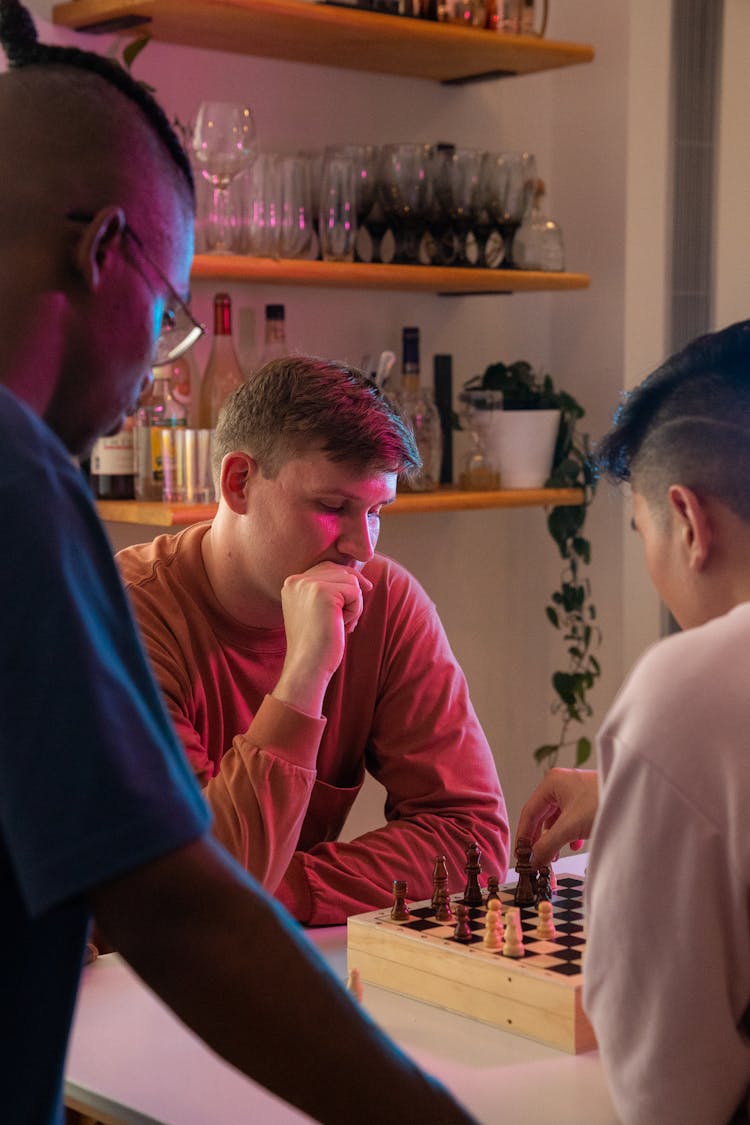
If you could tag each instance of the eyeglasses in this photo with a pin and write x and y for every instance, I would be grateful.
(179, 328)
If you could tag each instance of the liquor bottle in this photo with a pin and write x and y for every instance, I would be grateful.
(157, 410)
(112, 465)
(223, 372)
(417, 405)
(274, 339)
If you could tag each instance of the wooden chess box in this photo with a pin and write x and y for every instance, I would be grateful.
(537, 996)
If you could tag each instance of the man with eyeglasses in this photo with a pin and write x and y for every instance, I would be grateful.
(99, 815)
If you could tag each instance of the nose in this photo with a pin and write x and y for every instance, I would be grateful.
(359, 538)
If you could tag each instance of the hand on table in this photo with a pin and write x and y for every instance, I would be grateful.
(320, 606)
(560, 811)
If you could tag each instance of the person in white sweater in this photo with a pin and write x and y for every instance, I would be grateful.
(667, 971)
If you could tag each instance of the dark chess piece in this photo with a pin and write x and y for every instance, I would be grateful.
(472, 890)
(493, 888)
(526, 891)
(443, 912)
(544, 885)
(399, 911)
(462, 931)
(439, 878)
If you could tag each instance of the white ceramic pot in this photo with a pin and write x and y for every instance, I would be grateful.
(520, 443)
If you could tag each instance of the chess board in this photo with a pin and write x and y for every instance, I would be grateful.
(537, 996)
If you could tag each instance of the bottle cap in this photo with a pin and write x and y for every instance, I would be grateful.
(274, 312)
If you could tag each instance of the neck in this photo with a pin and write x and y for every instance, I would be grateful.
(32, 344)
(232, 588)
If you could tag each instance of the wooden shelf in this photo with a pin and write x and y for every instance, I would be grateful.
(360, 275)
(327, 36)
(446, 499)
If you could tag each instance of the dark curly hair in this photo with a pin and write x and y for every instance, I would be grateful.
(19, 40)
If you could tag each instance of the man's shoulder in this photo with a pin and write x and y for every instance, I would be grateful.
(155, 560)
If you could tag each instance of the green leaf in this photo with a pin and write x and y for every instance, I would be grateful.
(133, 50)
(547, 754)
(552, 617)
(583, 751)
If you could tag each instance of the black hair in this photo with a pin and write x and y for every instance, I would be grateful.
(19, 40)
(688, 423)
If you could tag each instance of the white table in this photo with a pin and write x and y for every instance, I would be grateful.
(131, 1061)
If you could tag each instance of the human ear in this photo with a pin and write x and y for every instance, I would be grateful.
(100, 237)
(694, 525)
(238, 470)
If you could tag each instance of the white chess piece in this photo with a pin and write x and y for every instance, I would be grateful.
(545, 928)
(493, 934)
(513, 944)
(354, 984)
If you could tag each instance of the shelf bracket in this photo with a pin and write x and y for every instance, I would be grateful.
(119, 23)
(486, 76)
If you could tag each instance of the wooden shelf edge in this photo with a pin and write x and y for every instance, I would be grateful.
(327, 35)
(361, 275)
(154, 514)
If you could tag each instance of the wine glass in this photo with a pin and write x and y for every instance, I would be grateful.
(507, 192)
(406, 189)
(224, 144)
(457, 192)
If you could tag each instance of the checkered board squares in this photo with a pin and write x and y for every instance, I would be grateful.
(537, 996)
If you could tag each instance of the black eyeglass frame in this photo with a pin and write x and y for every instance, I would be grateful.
(162, 352)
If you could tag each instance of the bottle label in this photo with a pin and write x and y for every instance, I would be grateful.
(113, 456)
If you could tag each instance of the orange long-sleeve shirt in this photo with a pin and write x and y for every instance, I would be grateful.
(280, 783)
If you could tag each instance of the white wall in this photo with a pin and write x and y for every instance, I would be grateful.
(490, 572)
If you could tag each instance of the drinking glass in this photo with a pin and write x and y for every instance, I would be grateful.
(262, 206)
(506, 193)
(457, 181)
(406, 190)
(364, 159)
(337, 207)
(224, 144)
(295, 196)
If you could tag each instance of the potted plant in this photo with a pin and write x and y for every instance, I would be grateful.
(571, 610)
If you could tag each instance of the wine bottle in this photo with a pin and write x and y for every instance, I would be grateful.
(112, 465)
(417, 405)
(274, 339)
(223, 372)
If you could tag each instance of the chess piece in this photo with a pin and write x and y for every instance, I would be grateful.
(443, 912)
(462, 932)
(399, 911)
(439, 878)
(545, 927)
(354, 984)
(493, 934)
(525, 893)
(544, 884)
(472, 890)
(493, 889)
(513, 943)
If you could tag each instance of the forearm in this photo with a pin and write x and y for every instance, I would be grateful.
(260, 795)
(333, 880)
(232, 967)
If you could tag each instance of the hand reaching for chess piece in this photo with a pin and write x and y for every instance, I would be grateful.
(560, 811)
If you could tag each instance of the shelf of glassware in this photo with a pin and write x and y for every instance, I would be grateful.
(445, 499)
(328, 35)
(361, 275)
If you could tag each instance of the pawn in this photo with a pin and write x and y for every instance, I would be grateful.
(513, 944)
(544, 884)
(354, 984)
(462, 931)
(493, 889)
(443, 912)
(545, 927)
(493, 934)
(399, 911)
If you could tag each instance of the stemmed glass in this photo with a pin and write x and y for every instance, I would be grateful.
(457, 194)
(224, 144)
(406, 190)
(507, 191)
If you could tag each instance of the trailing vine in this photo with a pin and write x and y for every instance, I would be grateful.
(571, 610)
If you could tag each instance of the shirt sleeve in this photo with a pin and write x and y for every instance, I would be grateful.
(668, 957)
(94, 782)
(442, 790)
